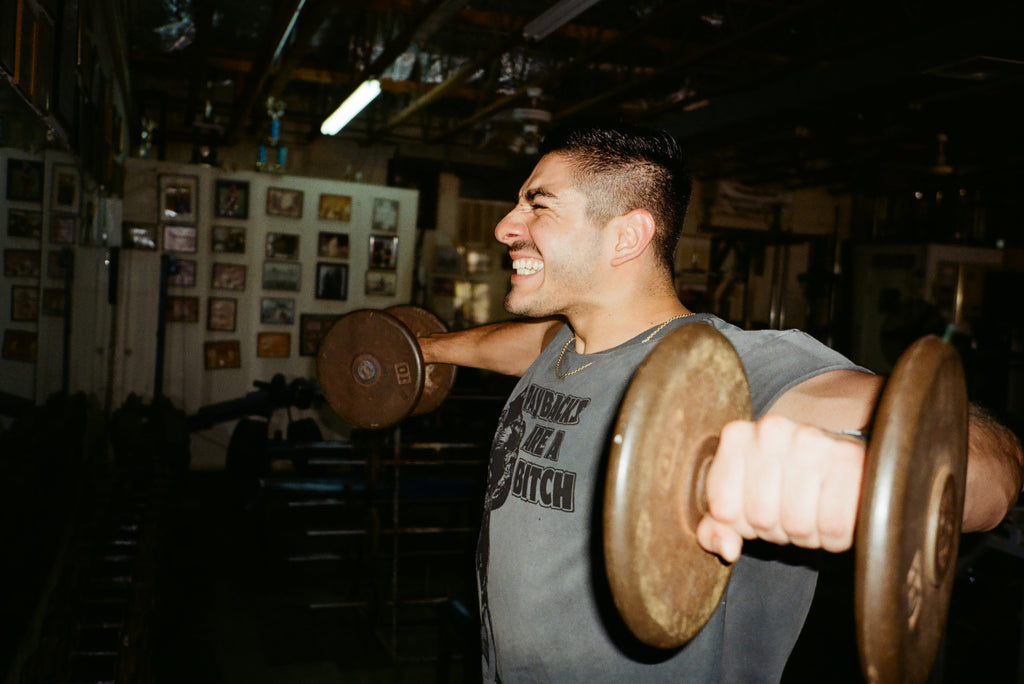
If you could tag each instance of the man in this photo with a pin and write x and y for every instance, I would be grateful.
(592, 240)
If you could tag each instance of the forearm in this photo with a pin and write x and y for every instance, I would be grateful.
(995, 467)
(508, 347)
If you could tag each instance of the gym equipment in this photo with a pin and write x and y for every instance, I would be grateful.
(371, 370)
(666, 586)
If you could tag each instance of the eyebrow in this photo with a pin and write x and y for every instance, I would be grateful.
(531, 195)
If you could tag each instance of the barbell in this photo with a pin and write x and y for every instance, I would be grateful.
(666, 586)
(371, 371)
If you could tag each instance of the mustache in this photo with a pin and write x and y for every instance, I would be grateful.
(522, 245)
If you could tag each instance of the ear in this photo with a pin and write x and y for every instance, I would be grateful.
(634, 232)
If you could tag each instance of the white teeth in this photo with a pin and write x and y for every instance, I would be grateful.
(527, 266)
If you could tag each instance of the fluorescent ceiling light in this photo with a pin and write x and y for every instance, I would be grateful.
(556, 16)
(353, 104)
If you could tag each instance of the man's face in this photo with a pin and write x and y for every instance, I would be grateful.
(555, 249)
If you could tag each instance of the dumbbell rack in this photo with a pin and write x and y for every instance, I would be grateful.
(382, 522)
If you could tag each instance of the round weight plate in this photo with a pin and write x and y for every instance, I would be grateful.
(908, 524)
(370, 369)
(664, 584)
(439, 378)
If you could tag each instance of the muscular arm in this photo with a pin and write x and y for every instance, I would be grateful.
(815, 479)
(509, 347)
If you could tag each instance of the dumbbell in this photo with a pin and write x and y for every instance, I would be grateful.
(666, 586)
(371, 370)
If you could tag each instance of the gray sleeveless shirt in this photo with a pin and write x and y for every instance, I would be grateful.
(546, 611)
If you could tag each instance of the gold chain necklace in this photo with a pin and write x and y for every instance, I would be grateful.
(558, 363)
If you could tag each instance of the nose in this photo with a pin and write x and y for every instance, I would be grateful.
(509, 228)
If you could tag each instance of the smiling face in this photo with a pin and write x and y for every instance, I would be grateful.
(555, 249)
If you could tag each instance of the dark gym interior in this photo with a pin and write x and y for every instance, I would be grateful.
(177, 503)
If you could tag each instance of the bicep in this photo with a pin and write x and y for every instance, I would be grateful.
(836, 400)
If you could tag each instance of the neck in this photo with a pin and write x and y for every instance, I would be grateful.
(611, 326)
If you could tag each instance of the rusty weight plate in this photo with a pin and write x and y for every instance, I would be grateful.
(664, 584)
(370, 369)
(908, 524)
(439, 378)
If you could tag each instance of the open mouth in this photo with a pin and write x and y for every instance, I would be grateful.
(527, 266)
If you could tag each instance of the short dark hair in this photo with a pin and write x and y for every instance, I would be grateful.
(620, 168)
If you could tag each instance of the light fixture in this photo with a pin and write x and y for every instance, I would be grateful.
(353, 104)
(556, 16)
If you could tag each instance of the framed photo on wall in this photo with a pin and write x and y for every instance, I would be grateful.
(222, 354)
(231, 199)
(24, 180)
(55, 264)
(331, 281)
(385, 215)
(65, 188)
(186, 274)
(179, 198)
(24, 303)
(335, 207)
(22, 263)
(284, 202)
(282, 246)
(24, 223)
(228, 239)
(282, 275)
(381, 283)
(63, 228)
(20, 345)
(139, 235)
(182, 309)
(180, 239)
(277, 310)
(312, 328)
(221, 313)
(274, 345)
(383, 252)
(332, 245)
(228, 277)
(54, 301)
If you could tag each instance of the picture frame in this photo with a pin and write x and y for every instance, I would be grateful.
(55, 267)
(24, 180)
(180, 239)
(383, 252)
(277, 310)
(25, 223)
(284, 202)
(22, 263)
(226, 276)
(179, 198)
(312, 328)
(231, 199)
(331, 280)
(64, 227)
(381, 283)
(332, 245)
(221, 313)
(335, 207)
(222, 354)
(139, 236)
(385, 215)
(20, 345)
(182, 309)
(24, 303)
(185, 275)
(282, 246)
(228, 239)
(54, 301)
(282, 275)
(277, 345)
(66, 188)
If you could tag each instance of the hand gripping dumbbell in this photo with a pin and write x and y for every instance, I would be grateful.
(371, 370)
(666, 586)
